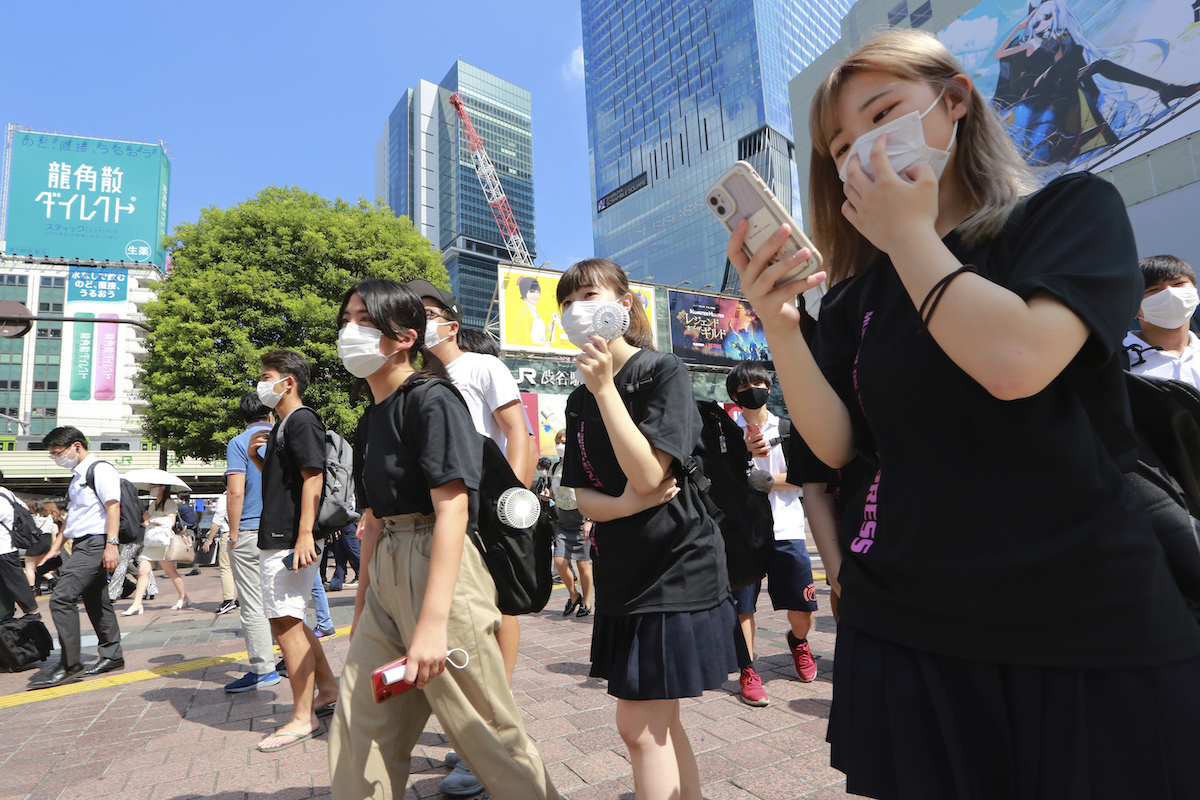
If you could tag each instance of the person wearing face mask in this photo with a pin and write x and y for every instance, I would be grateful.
(789, 569)
(93, 524)
(425, 590)
(1007, 614)
(1164, 345)
(570, 544)
(494, 400)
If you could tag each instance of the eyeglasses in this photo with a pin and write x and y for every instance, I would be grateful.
(431, 314)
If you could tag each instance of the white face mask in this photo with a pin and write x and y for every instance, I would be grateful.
(906, 145)
(1171, 308)
(266, 392)
(431, 333)
(358, 347)
(561, 449)
(65, 461)
(583, 318)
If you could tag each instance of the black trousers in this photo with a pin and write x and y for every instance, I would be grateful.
(12, 575)
(82, 577)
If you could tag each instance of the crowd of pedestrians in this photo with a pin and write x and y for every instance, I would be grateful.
(939, 453)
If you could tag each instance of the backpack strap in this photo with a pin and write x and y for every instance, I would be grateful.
(12, 502)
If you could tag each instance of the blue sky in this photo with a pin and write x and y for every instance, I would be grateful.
(255, 93)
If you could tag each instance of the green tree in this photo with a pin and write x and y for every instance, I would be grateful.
(267, 273)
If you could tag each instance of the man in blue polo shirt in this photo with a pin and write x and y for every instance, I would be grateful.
(244, 507)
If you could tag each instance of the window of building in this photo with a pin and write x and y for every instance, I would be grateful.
(897, 15)
(921, 14)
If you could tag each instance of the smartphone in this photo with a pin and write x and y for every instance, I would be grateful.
(741, 194)
(388, 681)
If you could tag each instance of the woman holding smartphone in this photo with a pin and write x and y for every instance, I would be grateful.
(1007, 616)
(663, 619)
(424, 590)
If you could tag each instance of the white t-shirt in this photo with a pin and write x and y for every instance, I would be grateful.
(785, 503)
(220, 516)
(6, 520)
(486, 385)
(1160, 364)
(86, 515)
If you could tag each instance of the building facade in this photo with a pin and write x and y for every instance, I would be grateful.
(677, 91)
(1154, 163)
(423, 169)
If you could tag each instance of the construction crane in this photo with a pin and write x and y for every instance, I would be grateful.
(492, 189)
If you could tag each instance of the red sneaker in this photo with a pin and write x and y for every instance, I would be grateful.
(753, 693)
(806, 665)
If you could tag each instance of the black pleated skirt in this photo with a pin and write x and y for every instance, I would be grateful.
(909, 725)
(663, 656)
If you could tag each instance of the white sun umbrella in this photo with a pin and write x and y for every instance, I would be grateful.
(153, 477)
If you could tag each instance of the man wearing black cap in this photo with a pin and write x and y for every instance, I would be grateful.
(495, 403)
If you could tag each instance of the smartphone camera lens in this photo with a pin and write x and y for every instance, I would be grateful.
(721, 210)
(713, 200)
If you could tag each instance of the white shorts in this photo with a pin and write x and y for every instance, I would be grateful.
(285, 593)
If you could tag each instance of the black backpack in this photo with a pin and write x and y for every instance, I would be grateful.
(720, 467)
(24, 531)
(132, 527)
(23, 643)
(517, 558)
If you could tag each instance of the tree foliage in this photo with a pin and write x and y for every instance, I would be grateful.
(267, 273)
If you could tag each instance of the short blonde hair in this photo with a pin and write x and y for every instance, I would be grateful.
(986, 164)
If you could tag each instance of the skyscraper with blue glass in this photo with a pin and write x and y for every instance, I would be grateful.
(677, 91)
(423, 170)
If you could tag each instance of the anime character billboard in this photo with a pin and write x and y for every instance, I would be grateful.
(708, 329)
(1080, 84)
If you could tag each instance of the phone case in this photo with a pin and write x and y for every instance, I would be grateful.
(388, 681)
(741, 194)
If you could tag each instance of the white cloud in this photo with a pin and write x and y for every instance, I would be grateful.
(572, 71)
(963, 36)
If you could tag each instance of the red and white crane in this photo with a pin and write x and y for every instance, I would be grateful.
(492, 189)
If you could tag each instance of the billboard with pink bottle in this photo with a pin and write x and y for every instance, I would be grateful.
(95, 347)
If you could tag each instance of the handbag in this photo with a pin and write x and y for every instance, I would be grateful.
(158, 536)
(181, 547)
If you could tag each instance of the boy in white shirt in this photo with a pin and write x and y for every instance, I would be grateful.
(1164, 345)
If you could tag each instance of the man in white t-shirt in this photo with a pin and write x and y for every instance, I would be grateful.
(789, 570)
(1164, 345)
(494, 400)
(12, 570)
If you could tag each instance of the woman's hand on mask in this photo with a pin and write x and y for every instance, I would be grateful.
(890, 210)
(774, 305)
(596, 365)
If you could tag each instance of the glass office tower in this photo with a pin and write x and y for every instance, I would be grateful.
(423, 169)
(677, 91)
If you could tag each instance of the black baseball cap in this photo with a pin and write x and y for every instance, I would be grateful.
(424, 288)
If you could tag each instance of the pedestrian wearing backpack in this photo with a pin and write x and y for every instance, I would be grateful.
(1164, 345)
(789, 569)
(93, 526)
(424, 590)
(293, 474)
(664, 621)
(12, 571)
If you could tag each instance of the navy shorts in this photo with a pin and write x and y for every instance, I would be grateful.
(789, 581)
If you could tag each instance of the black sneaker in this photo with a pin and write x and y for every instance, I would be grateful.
(281, 667)
(226, 607)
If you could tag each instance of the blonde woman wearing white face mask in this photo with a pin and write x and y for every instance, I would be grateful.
(984, 648)
(1164, 345)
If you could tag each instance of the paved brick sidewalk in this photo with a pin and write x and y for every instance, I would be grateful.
(178, 735)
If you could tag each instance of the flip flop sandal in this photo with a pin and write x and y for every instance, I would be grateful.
(325, 711)
(296, 738)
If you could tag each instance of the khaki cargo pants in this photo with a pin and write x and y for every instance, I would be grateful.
(371, 743)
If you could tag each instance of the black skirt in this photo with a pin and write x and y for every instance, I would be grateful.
(910, 724)
(663, 656)
(41, 546)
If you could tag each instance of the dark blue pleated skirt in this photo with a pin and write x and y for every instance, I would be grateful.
(907, 724)
(663, 656)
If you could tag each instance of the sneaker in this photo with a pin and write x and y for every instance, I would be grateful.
(452, 759)
(753, 693)
(325, 633)
(333, 587)
(806, 665)
(226, 607)
(252, 680)
(281, 667)
(460, 782)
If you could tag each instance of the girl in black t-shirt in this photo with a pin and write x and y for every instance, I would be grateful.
(664, 621)
(425, 592)
(1009, 627)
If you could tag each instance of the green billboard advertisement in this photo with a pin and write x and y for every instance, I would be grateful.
(80, 198)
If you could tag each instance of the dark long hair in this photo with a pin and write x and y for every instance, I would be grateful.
(602, 272)
(395, 309)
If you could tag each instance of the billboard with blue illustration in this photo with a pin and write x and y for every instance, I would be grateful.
(81, 198)
(1084, 84)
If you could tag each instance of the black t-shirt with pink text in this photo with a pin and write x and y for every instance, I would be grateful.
(1001, 530)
